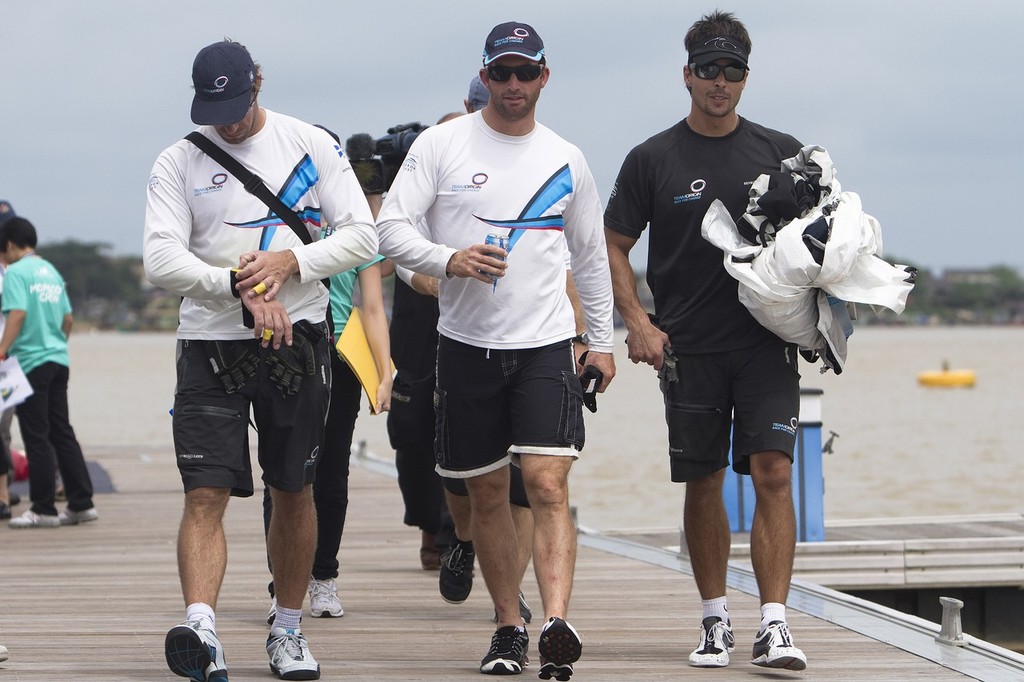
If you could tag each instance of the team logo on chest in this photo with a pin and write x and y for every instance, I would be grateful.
(696, 191)
(474, 185)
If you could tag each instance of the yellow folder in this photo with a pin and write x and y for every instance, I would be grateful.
(354, 348)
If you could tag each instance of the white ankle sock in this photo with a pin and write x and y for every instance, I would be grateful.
(287, 618)
(770, 612)
(715, 607)
(203, 613)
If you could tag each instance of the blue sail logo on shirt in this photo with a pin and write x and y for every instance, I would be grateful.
(696, 189)
(301, 180)
(532, 217)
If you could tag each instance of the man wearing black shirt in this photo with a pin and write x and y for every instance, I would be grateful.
(720, 370)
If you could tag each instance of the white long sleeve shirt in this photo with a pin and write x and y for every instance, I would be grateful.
(462, 181)
(199, 220)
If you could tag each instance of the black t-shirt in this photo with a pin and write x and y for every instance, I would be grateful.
(669, 181)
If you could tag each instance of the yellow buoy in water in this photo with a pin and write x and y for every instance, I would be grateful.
(947, 378)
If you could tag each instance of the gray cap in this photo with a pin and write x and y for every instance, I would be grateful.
(478, 94)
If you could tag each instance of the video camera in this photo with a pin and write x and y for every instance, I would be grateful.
(376, 162)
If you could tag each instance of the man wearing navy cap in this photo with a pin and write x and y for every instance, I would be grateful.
(720, 370)
(507, 388)
(226, 254)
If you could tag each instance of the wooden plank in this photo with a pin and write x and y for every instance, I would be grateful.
(94, 602)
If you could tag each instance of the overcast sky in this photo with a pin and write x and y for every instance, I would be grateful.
(920, 103)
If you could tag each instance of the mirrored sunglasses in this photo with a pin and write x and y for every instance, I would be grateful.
(734, 73)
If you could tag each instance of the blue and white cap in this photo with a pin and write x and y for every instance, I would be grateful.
(514, 38)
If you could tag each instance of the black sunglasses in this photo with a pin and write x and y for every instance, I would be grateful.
(525, 72)
(734, 73)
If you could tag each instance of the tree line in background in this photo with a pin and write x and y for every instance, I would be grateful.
(111, 292)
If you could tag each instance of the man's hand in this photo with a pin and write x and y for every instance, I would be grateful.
(647, 344)
(605, 362)
(479, 261)
(263, 273)
(271, 321)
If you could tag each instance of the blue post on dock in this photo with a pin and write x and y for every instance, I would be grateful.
(808, 479)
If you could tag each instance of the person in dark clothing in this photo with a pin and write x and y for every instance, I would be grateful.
(720, 370)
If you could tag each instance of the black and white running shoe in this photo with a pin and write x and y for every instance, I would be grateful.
(773, 648)
(716, 643)
(507, 655)
(560, 646)
(455, 580)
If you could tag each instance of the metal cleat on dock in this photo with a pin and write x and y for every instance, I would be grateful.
(951, 631)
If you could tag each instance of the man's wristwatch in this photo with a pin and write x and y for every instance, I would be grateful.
(583, 338)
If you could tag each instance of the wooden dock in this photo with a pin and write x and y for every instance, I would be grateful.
(94, 602)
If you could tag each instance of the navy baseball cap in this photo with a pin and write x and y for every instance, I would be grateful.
(223, 75)
(720, 47)
(478, 94)
(515, 38)
(6, 211)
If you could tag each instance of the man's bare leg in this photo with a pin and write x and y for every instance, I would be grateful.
(773, 531)
(291, 543)
(708, 539)
(522, 519)
(461, 513)
(494, 538)
(554, 544)
(202, 545)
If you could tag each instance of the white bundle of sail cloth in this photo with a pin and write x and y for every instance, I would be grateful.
(829, 250)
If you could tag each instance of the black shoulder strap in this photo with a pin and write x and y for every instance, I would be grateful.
(252, 183)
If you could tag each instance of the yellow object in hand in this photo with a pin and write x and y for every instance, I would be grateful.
(268, 334)
(260, 289)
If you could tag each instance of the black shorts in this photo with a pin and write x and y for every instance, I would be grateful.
(492, 403)
(754, 392)
(211, 426)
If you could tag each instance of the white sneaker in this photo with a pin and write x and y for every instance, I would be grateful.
(272, 613)
(30, 519)
(716, 642)
(323, 599)
(773, 648)
(290, 658)
(194, 651)
(4, 655)
(69, 517)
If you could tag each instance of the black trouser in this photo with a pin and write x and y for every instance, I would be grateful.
(50, 442)
(421, 488)
(330, 488)
(411, 432)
